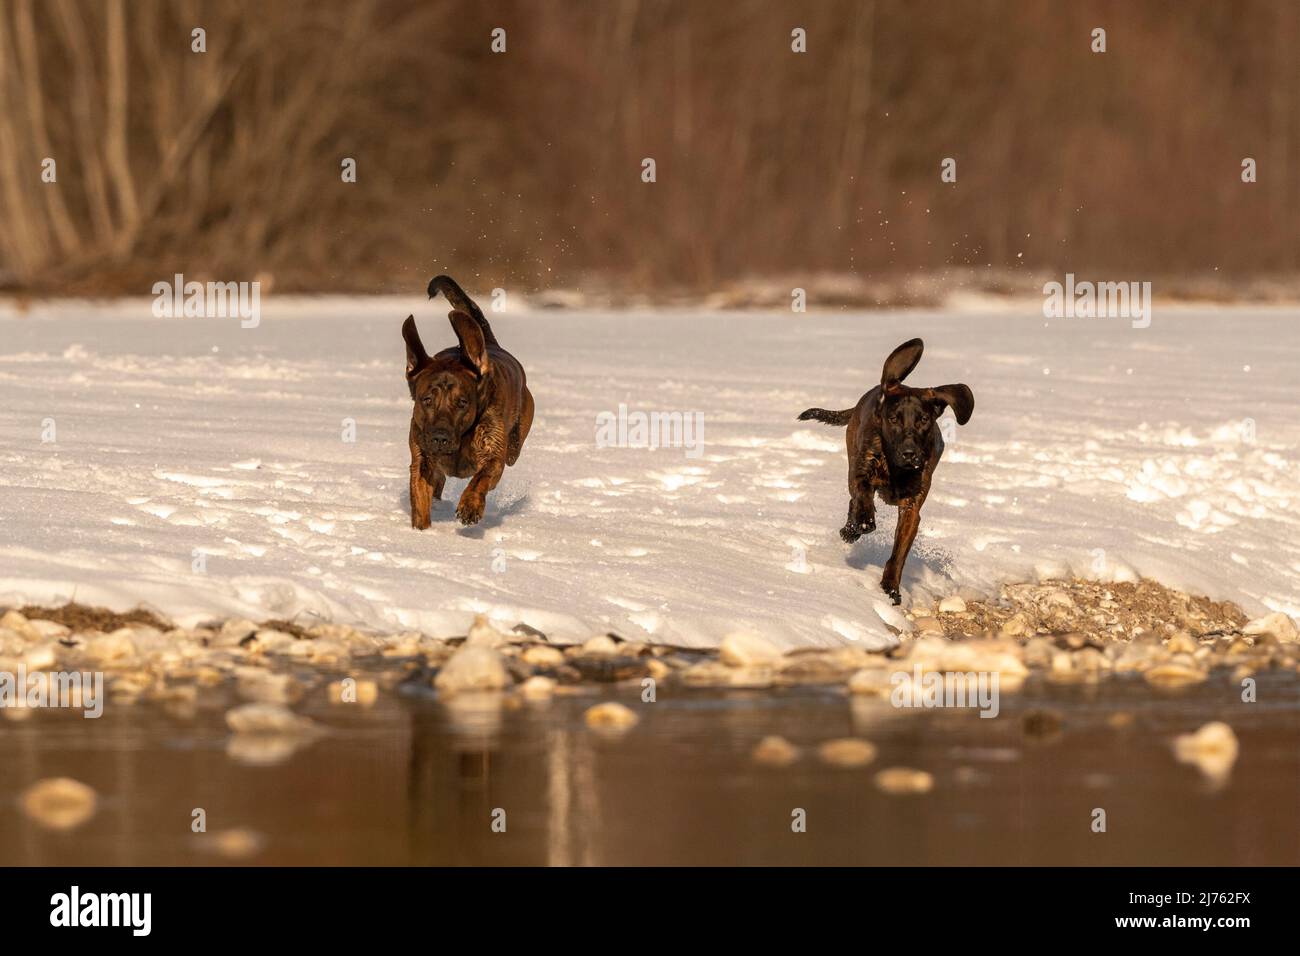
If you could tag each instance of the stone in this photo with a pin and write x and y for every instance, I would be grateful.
(482, 633)
(1016, 626)
(1212, 749)
(847, 752)
(928, 625)
(1276, 625)
(541, 656)
(538, 688)
(472, 668)
(59, 803)
(953, 604)
(361, 692)
(116, 648)
(871, 682)
(610, 716)
(745, 649)
(602, 644)
(263, 719)
(775, 752)
(904, 780)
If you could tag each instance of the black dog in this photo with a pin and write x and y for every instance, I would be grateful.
(472, 409)
(894, 445)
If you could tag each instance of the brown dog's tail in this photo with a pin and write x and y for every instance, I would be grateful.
(828, 417)
(459, 300)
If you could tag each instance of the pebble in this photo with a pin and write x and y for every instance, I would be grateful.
(745, 649)
(540, 655)
(115, 648)
(953, 604)
(268, 719)
(59, 803)
(904, 780)
(847, 752)
(928, 625)
(1212, 749)
(481, 632)
(538, 688)
(1276, 625)
(598, 646)
(363, 692)
(775, 752)
(610, 716)
(472, 668)
(871, 682)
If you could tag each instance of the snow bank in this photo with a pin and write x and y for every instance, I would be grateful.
(205, 468)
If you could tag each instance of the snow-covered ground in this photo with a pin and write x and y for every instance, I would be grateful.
(202, 468)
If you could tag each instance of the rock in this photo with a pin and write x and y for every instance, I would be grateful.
(48, 630)
(610, 716)
(775, 752)
(1212, 749)
(482, 633)
(272, 641)
(1276, 625)
(234, 631)
(538, 688)
(928, 625)
(361, 692)
(952, 604)
(262, 719)
(1017, 625)
(257, 684)
(1181, 643)
(600, 645)
(1180, 670)
(904, 780)
(116, 648)
(847, 752)
(472, 668)
(40, 657)
(59, 803)
(744, 649)
(871, 682)
(541, 656)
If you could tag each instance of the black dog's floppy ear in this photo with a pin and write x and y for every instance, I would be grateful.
(472, 343)
(957, 397)
(416, 356)
(900, 363)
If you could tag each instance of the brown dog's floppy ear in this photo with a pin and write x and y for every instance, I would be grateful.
(472, 343)
(900, 363)
(957, 397)
(416, 356)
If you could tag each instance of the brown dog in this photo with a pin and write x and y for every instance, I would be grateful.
(894, 445)
(472, 409)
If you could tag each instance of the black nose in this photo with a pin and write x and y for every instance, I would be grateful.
(440, 438)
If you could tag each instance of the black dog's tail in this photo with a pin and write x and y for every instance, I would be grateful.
(829, 417)
(459, 300)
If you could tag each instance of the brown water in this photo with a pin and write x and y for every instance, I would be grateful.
(411, 781)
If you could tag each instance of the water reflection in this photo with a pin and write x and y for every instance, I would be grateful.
(417, 781)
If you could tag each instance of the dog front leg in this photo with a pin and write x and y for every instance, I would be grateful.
(474, 498)
(862, 510)
(909, 520)
(422, 494)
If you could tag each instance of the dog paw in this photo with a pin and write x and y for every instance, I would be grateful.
(850, 534)
(469, 512)
(892, 592)
(420, 523)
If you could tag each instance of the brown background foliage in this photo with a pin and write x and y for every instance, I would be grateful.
(524, 167)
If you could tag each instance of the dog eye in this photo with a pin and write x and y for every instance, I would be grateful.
(462, 403)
